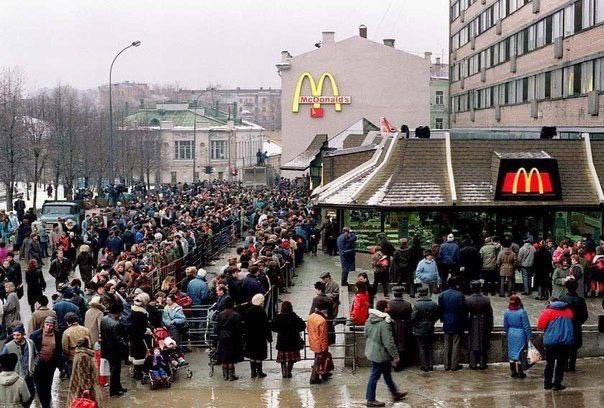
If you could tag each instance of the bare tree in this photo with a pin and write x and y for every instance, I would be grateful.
(11, 130)
(37, 134)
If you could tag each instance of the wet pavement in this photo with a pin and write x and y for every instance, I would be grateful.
(490, 388)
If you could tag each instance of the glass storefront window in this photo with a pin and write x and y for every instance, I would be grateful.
(574, 225)
(366, 224)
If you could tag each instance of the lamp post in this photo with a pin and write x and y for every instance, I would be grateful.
(194, 150)
(111, 174)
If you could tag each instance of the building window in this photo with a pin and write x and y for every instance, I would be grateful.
(438, 123)
(599, 14)
(557, 83)
(218, 149)
(587, 77)
(572, 80)
(599, 74)
(173, 177)
(588, 13)
(183, 150)
(440, 98)
(557, 24)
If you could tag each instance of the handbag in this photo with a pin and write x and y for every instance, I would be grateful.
(84, 401)
(533, 354)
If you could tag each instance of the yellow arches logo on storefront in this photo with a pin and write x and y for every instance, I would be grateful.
(317, 98)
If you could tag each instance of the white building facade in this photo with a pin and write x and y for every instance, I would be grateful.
(349, 80)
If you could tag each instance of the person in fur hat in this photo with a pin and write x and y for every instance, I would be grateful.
(139, 323)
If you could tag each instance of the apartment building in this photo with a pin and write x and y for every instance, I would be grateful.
(439, 93)
(526, 63)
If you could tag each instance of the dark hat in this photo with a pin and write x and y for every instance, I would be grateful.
(71, 318)
(398, 291)
(475, 284)
(422, 291)
(8, 361)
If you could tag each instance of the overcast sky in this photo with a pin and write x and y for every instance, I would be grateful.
(196, 43)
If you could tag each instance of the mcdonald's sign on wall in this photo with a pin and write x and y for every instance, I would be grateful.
(528, 179)
(316, 99)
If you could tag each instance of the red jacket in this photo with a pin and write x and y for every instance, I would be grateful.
(360, 308)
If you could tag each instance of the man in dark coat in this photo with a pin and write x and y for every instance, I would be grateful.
(543, 271)
(580, 315)
(14, 274)
(50, 352)
(452, 304)
(400, 312)
(112, 335)
(347, 248)
(19, 207)
(481, 325)
(258, 333)
(23, 231)
(331, 235)
(250, 285)
(400, 266)
(60, 268)
(471, 264)
(424, 316)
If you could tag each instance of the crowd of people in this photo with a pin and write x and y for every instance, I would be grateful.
(463, 276)
(118, 287)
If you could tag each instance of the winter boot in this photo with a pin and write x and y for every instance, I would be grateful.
(290, 366)
(232, 376)
(253, 369)
(225, 373)
(259, 372)
(521, 371)
(513, 370)
(284, 370)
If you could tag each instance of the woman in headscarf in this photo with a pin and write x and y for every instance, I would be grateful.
(518, 330)
(12, 307)
(139, 323)
(85, 261)
(229, 331)
(258, 334)
(84, 380)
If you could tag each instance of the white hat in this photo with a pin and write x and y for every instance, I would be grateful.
(450, 237)
(258, 299)
(201, 273)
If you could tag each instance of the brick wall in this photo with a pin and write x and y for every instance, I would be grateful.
(336, 166)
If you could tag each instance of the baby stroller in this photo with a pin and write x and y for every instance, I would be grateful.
(164, 361)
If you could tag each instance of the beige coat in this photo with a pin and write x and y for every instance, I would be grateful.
(92, 321)
(38, 317)
(71, 337)
(507, 261)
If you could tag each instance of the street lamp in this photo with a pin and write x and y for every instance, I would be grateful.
(111, 175)
(194, 150)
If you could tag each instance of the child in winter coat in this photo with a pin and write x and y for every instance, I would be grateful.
(360, 305)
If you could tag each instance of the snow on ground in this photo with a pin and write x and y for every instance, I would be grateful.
(21, 189)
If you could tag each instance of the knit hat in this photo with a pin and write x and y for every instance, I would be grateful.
(258, 299)
(202, 273)
(450, 237)
(50, 320)
(18, 328)
(141, 299)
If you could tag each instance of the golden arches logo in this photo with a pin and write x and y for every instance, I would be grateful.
(528, 177)
(316, 88)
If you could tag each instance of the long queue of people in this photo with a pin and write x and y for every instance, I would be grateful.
(114, 308)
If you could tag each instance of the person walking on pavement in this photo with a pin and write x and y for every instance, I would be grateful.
(71, 337)
(526, 260)
(580, 315)
(60, 268)
(556, 321)
(85, 378)
(112, 335)
(518, 331)
(481, 325)
(346, 243)
(13, 389)
(42, 312)
(424, 316)
(229, 331)
(454, 314)
(400, 312)
(332, 291)
(25, 351)
(381, 351)
(47, 341)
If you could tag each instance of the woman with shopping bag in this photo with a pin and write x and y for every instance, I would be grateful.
(518, 330)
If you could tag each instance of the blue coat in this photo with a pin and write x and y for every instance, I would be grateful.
(63, 307)
(449, 253)
(427, 271)
(518, 330)
(198, 290)
(454, 311)
(346, 247)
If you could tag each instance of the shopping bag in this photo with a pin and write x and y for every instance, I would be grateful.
(533, 354)
(84, 401)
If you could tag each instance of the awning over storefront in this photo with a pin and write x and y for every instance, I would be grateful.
(474, 173)
(302, 161)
